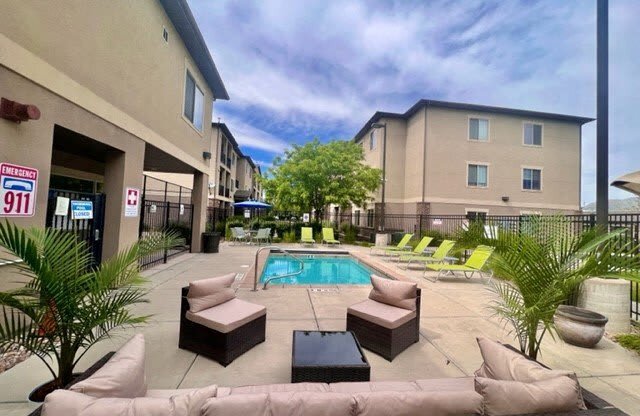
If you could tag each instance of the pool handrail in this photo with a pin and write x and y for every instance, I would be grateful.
(255, 267)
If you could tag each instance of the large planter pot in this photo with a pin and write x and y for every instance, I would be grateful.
(578, 326)
(382, 239)
(610, 297)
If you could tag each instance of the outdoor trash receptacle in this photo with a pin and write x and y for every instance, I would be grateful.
(210, 242)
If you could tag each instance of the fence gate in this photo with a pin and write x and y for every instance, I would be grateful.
(88, 230)
(158, 216)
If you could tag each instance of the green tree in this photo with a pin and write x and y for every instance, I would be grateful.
(313, 175)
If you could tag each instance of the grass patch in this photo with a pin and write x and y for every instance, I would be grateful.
(629, 341)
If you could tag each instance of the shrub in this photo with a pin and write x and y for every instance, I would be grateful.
(289, 237)
(350, 233)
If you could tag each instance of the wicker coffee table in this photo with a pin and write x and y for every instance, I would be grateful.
(328, 357)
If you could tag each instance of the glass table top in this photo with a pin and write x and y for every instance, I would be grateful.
(326, 348)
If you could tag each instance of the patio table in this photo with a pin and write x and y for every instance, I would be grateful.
(328, 357)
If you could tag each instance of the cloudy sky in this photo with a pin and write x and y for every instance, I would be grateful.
(302, 69)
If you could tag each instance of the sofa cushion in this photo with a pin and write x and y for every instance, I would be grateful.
(394, 292)
(227, 316)
(70, 403)
(387, 316)
(286, 387)
(418, 403)
(238, 404)
(121, 376)
(306, 403)
(500, 397)
(166, 393)
(206, 293)
(367, 386)
(447, 384)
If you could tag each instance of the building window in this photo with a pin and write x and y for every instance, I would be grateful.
(193, 102)
(531, 179)
(356, 217)
(477, 175)
(372, 140)
(479, 129)
(532, 134)
(476, 215)
(165, 34)
(370, 218)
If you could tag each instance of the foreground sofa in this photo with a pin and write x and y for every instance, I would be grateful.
(118, 388)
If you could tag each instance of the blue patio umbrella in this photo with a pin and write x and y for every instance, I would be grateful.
(252, 204)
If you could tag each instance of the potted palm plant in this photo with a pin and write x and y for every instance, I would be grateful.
(65, 306)
(543, 263)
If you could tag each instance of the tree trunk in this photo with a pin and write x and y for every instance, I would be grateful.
(533, 343)
(65, 366)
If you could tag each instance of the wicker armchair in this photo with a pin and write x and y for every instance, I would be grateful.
(384, 329)
(222, 340)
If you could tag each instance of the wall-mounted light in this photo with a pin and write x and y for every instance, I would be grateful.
(505, 199)
(16, 112)
(206, 155)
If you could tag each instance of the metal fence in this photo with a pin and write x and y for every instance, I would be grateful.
(159, 216)
(369, 224)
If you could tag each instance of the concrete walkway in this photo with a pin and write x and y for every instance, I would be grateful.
(454, 312)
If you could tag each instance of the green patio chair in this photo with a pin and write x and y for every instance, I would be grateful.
(307, 236)
(437, 256)
(238, 234)
(473, 265)
(328, 237)
(402, 245)
(264, 234)
(418, 250)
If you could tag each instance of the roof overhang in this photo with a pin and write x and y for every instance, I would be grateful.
(629, 182)
(180, 15)
(468, 107)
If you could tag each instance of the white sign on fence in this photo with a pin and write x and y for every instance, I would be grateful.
(81, 210)
(62, 206)
(305, 217)
(18, 186)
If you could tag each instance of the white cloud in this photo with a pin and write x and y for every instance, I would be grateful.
(315, 66)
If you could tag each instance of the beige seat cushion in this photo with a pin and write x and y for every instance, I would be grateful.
(418, 403)
(501, 363)
(70, 403)
(121, 376)
(394, 292)
(282, 388)
(165, 394)
(447, 384)
(381, 314)
(368, 386)
(500, 397)
(206, 293)
(308, 403)
(227, 316)
(238, 404)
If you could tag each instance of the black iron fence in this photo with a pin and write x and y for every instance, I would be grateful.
(161, 216)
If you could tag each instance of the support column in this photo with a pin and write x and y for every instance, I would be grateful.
(122, 170)
(200, 200)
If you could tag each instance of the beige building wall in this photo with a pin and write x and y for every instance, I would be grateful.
(244, 174)
(428, 156)
(449, 151)
(110, 57)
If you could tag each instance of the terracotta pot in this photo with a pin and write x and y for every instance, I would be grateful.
(579, 326)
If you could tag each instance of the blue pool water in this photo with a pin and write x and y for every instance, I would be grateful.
(318, 270)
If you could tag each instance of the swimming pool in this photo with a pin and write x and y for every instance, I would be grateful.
(318, 270)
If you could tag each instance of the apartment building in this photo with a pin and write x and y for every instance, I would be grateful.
(93, 94)
(450, 158)
(248, 185)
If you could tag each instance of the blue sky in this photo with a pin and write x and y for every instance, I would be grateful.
(296, 70)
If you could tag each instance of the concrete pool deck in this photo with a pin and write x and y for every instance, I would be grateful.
(454, 312)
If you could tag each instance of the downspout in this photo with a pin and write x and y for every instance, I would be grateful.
(424, 155)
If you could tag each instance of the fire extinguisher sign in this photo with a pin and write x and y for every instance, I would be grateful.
(18, 187)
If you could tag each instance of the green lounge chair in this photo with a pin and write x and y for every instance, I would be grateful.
(474, 264)
(402, 245)
(328, 237)
(438, 256)
(307, 236)
(418, 250)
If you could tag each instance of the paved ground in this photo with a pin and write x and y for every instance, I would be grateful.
(454, 312)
